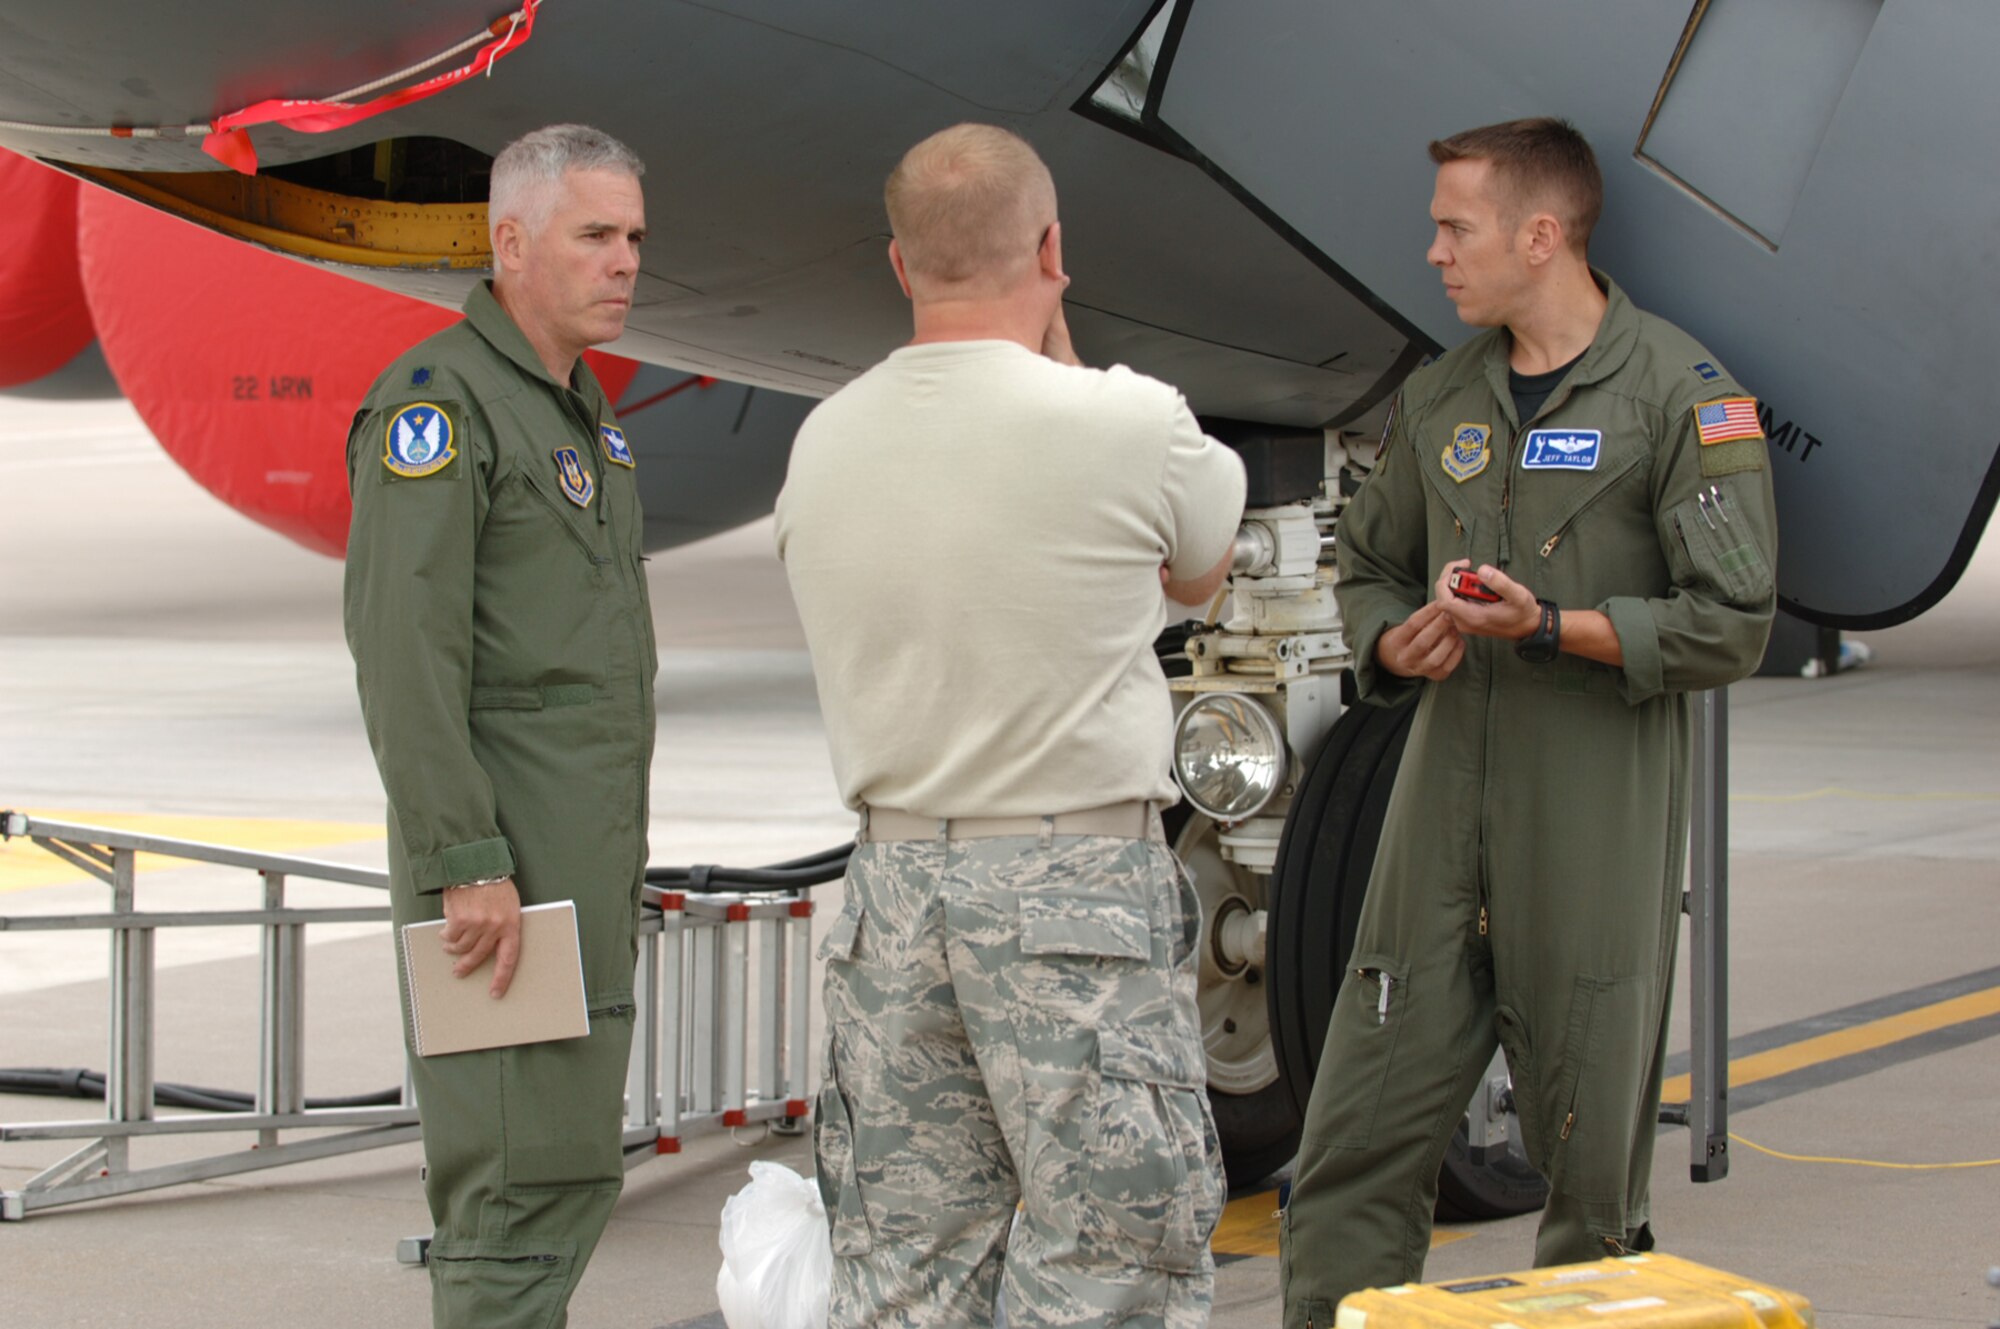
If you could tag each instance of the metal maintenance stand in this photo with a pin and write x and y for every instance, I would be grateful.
(103, 1167)
(721, 1039)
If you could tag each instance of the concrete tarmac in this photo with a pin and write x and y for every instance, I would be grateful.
(163, 658)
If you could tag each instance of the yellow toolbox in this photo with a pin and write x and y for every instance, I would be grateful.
(1653, 1291)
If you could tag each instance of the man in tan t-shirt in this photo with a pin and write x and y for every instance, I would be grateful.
(981, 535)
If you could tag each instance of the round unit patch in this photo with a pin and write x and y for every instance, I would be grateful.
(418, 441)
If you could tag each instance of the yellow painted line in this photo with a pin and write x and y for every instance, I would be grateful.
(25, 865)
(1249, 1226)
(1846, 1042)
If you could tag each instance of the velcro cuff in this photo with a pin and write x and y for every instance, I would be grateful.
(474, 861)
(1644, 675)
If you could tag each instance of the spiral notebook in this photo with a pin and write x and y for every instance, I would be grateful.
(543, 1003)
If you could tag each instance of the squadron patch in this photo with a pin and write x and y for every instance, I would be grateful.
(418, 441)
(1467, 453)
(1562, 450)
(1727, 419)
(614, 444)
(577, 485)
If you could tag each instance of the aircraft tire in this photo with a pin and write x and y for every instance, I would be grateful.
(1318, 883)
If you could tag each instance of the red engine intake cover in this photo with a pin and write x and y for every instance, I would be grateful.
(248, 366)
(44, 322)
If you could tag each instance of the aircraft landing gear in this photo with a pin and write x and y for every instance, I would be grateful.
(1254, 1112)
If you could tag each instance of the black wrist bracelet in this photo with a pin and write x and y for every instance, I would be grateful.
(1543, 644)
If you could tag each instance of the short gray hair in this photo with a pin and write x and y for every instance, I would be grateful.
(527, 170)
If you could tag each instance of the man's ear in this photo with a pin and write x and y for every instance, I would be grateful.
(1545, 237)
(509, 243)
(1050, 254)
(896, 262)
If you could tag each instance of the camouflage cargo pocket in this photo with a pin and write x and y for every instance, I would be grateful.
(833, 1169)
(1152, 1185)
(1073, 925)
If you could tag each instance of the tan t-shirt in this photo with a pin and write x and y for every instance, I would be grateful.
(974, 534)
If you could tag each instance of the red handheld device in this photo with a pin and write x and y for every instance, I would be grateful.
(1465, 584)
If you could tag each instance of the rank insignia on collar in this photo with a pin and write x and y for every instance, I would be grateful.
(576, 483)
(1467, 454)
(614, 444)
(417, 441)
(1705, 370)
(419, 377)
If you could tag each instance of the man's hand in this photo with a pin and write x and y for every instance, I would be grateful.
(480, 921)
(1197, 591)
(1516, 616)
(1055, 340)
(1424, 645)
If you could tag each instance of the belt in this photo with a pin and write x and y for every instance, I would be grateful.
(1137, 820)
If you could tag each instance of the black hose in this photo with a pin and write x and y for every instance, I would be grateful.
(796, 874)
(78, 1083)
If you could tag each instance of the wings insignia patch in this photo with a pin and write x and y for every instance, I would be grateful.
(418, 441)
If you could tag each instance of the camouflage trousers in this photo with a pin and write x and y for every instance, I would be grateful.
(1011, 1024)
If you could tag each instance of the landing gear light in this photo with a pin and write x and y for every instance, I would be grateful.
(1229, 756)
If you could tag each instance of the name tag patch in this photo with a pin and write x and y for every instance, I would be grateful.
(1562, 450)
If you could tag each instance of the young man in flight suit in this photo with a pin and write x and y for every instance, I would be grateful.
(977, 531)
(1604, 477)
(498, 618)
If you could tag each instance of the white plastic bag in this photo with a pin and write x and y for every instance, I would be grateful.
(777, 1253)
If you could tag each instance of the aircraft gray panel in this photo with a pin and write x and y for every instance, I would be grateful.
(1866, 332)
(1779, 65)
(1011, 59)
(152, 64)
(710, 458)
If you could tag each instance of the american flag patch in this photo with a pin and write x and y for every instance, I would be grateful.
(1727, 420)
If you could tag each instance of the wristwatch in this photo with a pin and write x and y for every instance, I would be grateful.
(1542, 645)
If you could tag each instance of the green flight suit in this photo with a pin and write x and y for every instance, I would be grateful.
(497, 611)
(1528, 882)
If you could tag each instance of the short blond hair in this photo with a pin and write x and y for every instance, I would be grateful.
(970, 204)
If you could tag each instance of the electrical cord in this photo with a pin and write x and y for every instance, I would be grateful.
(1862, 1162)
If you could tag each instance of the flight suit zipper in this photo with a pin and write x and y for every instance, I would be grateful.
(1609, 483)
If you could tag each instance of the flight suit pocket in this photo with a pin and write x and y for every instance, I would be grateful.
(1719, 552)
(569, 520)
(1151, 1176)
(834, 1169)
(1598, 1103)
(500, 1282)
(1057, 925)
(1367, 1018)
